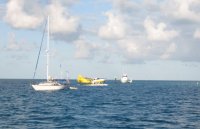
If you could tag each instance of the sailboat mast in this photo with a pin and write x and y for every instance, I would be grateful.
(47, 51)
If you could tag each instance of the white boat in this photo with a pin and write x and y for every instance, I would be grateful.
(98, 81)
(73, 88)
(125, 79)
(50, 84)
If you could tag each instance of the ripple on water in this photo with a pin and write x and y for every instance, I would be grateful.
(142, 104)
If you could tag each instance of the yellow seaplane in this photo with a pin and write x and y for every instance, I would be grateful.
(91, 81)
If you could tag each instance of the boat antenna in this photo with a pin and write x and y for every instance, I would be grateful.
(40, 50)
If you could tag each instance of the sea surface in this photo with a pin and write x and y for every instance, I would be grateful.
(140, 105)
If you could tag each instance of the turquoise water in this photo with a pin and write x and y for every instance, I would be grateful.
(142, 104)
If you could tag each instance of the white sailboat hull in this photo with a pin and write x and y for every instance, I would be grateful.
(48, 86)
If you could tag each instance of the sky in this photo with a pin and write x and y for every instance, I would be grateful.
(147, 39)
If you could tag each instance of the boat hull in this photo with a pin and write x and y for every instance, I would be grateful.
(125, 80)
(85, 80)
(48, 87)
(97, 84)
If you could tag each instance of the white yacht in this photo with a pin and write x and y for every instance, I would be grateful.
(125, 79)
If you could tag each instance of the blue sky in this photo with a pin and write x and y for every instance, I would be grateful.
(147, 39)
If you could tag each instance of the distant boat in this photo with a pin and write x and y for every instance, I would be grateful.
(125, 79)
(50, 84)
(73, 88)
(91, 81)
(98, 81)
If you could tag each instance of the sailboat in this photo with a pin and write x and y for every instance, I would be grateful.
(50, 84)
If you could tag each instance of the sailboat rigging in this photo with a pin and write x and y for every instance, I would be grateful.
(39, 51)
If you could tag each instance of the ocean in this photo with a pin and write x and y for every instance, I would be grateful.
(139, 105)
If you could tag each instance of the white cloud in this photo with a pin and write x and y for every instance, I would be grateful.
(131, 48)
(115, 27)
(197, 34)
(88, 50)
(123, 27)
(2, 10)
(151, 5)
(84, 50)
(14, 45)
(182, 9)
(134, 49)
(66, 2)
(61, 20)
(169, 51)
(18, 18)
(158, 32)
(125, 6)
(30, 14)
